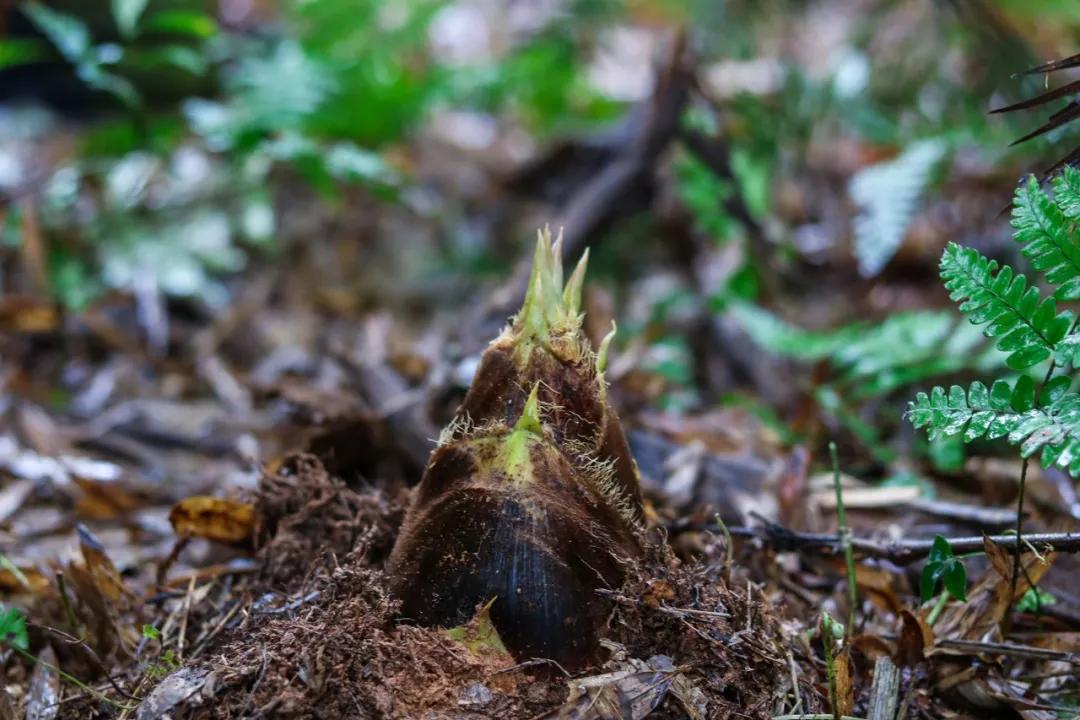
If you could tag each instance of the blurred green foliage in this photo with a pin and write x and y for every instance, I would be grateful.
(175, 191)
(176, 187)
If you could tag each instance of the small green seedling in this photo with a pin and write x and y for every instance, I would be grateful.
(1034, 600)
(13, 629)
(832, 637)
(943, 567)
(166, 662)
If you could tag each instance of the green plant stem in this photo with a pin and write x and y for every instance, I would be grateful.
(72, 622)
(830, 671)
(1018, 552)
(1023, 485)
(5, 563)
(942, 600)
(845, 541)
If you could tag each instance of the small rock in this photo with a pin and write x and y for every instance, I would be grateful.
(476, 695)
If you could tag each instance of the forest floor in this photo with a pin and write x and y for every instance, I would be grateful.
(199, 527)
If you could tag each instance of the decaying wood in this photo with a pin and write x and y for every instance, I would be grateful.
(885, 693)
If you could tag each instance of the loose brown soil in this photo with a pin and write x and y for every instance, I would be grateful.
(318, 636)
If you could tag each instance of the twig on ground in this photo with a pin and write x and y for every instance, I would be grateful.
(182, 637)
(82, 644)
(1010, 649)
(794, 683)
(901, 552)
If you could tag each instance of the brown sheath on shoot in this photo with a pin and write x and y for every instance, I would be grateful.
(531, 498)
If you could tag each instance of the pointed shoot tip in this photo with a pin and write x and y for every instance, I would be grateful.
(530, 414)
(602, 353)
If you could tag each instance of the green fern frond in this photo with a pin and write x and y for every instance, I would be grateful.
(1047, 233)
(873, 360)
(1027, 326)
(1067, 192)
(1010, 411)
(888, 196)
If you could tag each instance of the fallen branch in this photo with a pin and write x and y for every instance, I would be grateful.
(1011, 649)
(901, 552)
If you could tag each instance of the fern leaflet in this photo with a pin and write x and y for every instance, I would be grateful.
(888, 195)
(1052, 427)
(1046, 233)
(1067, 192)
(1027, 326)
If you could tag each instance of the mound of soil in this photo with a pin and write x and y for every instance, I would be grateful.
(318, 636)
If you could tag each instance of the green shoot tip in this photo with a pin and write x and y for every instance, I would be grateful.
(530, 414)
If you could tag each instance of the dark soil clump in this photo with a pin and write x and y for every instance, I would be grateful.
(305, 512)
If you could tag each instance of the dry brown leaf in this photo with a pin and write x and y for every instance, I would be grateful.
(693, 700)
(989, 600)
(1000, 558)
(1061, 641)
(982, 689)
(103, 598)
(101, 568)
(629, 694)
(1010, 694)
(916, 638)
(103, 500)
(845, 682)
(24, 579)
(182, 688)
(22, 314)
(877, 584)
(872, 647)
(13, 496)
(202, 516)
